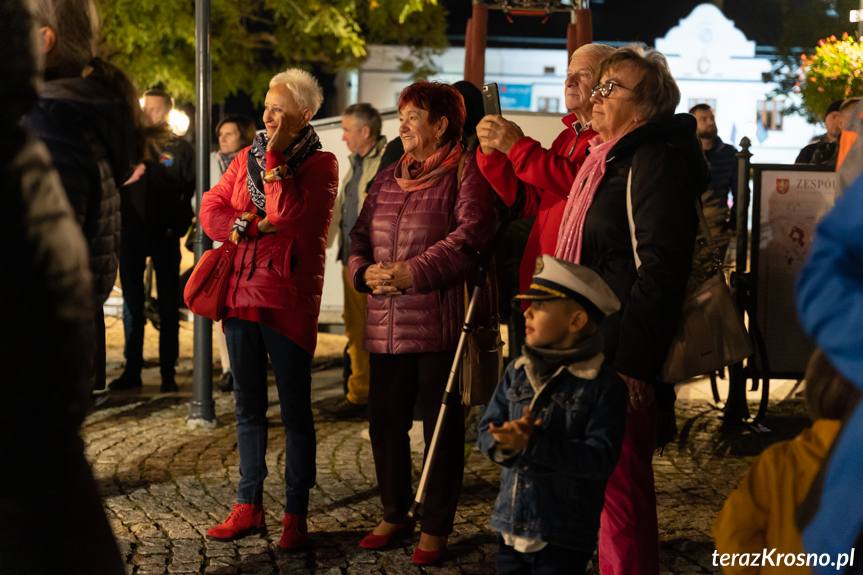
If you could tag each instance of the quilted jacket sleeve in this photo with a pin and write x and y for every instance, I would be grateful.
(306, 200)
(362, 253)
(445, 262)
(217, 214)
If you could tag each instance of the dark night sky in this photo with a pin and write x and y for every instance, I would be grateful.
(622, 20)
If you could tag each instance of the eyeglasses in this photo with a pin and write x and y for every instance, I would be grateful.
(604, 90)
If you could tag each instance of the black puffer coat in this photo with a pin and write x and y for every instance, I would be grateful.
(91, 138)
(668, 173)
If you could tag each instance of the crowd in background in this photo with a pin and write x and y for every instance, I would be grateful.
(97, 185)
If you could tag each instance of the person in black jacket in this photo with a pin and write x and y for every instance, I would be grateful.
(646, 152)
(88, 117)
(157, 211)
(46, 485)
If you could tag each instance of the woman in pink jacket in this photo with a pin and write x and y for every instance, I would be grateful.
(276, 200)
(410, 252)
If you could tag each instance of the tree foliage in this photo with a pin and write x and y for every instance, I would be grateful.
(804, 24)
(153, 41)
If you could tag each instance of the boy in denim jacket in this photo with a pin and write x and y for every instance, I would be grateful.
(555, 424)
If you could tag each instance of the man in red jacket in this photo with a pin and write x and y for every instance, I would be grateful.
(521, 170)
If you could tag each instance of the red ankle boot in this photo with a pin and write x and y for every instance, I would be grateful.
(296, 532)
(422, 557)
(243, 520)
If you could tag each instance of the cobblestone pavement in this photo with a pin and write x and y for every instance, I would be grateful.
(164, 485)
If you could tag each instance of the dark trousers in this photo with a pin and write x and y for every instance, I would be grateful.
(395, 383)
(249, 343)
(551, 560)
(135, 247)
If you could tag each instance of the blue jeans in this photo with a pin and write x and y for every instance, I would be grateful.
(550, 560)
(249, 343)
(135, 247)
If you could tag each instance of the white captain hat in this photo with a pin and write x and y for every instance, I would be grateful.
(555, 279)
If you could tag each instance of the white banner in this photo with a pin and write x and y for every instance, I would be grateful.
(792, 203)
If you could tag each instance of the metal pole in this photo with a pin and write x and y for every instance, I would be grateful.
(860, 24)
(202, 410)
(736, 408)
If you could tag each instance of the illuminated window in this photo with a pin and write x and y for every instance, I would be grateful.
(548, 104)
(770, 113)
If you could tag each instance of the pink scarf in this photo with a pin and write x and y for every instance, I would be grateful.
(571, 234)
(412, 175)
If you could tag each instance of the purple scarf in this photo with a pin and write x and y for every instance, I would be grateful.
(571, 234)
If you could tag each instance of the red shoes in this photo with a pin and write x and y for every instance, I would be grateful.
(372, 541)
(429, 557)
(243, 520)
(296, 532)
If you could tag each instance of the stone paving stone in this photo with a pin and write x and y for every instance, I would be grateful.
(164, 485)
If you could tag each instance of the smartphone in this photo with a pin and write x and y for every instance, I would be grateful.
(491, 99)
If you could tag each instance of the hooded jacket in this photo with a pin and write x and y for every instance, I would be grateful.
(668, 173)
(90, 136)
(428, 229)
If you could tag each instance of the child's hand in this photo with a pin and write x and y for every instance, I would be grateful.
(514, 435)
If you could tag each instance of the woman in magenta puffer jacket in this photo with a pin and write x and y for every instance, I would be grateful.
(276, 199)
(410, 251)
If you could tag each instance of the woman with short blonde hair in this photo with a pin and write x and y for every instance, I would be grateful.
(275, 200)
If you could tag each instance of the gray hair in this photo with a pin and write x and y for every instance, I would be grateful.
(368, 115)
(595, 54)
(305, 88)
(76, 26)
(657, 94)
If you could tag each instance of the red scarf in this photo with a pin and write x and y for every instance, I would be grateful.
(412, 175)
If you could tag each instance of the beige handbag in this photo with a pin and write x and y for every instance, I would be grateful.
(710, 334)
(482, 360)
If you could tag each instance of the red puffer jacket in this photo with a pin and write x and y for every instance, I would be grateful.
(426, 228)
(284, 270)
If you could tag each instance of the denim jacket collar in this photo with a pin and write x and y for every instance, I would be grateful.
(585, 369)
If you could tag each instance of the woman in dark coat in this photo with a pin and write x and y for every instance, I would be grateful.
(410, 251)
(640, 141)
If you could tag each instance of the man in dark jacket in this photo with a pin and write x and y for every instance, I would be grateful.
(156, 209)
(719, 211)
(824, 150)
(91, 135)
